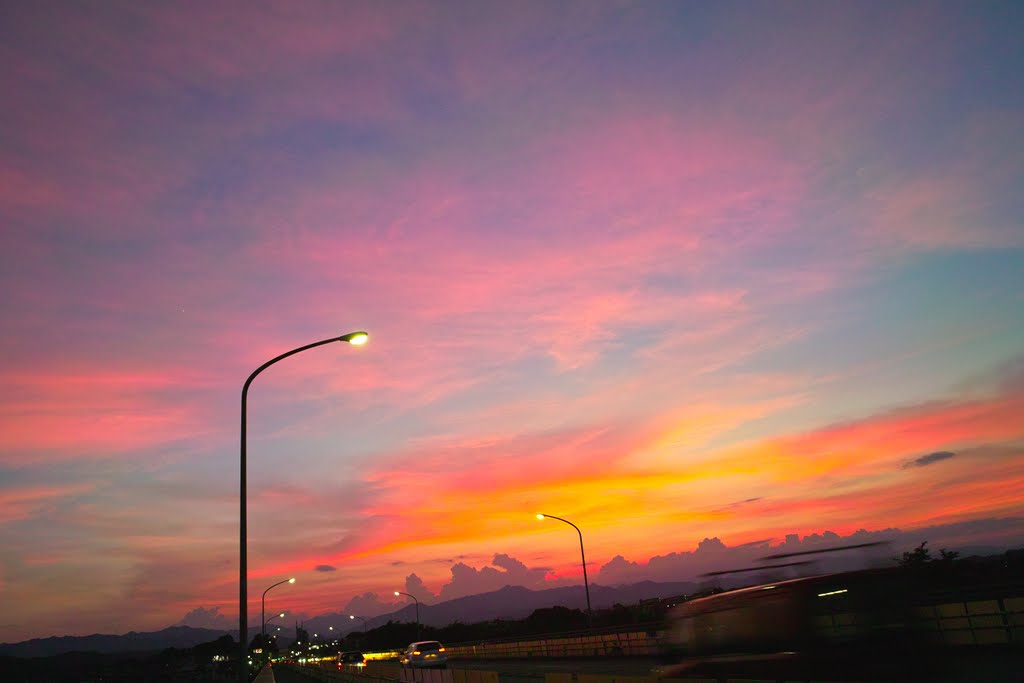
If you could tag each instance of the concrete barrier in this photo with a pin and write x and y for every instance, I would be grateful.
(472, 676)
(383, 669)
(409, 675)
(558, 678)
(396, 672)
(598, 678)
(606, 678)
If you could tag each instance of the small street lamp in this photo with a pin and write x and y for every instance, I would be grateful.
(417, 611)
(586, 584)
(263, 606)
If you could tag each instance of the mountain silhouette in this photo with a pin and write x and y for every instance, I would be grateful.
(510, 602)
(134, 641)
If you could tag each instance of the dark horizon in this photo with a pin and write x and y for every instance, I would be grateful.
(824, 553)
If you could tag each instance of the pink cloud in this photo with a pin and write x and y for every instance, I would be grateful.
(27, 501)
(85, 413)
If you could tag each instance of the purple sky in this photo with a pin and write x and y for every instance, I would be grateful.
(671, 270)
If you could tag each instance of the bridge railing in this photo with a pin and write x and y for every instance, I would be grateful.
(389, 672)
(629, 644)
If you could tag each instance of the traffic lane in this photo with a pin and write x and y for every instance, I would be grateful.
(291, 674)
(533, 670)
(992, 664)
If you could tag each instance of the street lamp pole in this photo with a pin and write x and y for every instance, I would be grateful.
(583, 557)
(417, 611)
(272, 616)
(263, 607)
(356, 338)
(365, 625)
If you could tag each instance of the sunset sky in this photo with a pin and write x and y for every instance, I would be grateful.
(670, 270)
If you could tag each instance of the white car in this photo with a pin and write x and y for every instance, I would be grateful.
(425, 654)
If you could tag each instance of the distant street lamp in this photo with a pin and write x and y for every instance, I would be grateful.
(365, 625)
(417, 611)
(586, 584)
(263, 606)
(356, 338)
(272, 617)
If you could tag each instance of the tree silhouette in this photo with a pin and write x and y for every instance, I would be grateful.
(921, 556)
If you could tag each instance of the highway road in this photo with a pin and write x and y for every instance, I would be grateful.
(288, 674)
(533, 670)
(998, 665)
(971, 665)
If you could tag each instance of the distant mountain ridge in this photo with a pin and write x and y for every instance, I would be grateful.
(133, 641)
(510, 602)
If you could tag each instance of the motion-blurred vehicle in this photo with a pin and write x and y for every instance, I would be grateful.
(877, 624)
(425, 654)
(351, 660)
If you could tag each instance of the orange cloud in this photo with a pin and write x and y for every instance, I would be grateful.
(848, 476)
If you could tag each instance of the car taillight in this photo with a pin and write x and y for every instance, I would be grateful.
(416, 652)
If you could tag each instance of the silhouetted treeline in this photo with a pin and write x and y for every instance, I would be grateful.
(542, 621)
(169, 666)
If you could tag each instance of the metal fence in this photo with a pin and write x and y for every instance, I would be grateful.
(388, 672)
(333, 674)
(632, 644)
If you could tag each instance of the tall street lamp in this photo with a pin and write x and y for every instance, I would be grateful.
(356, 338)
(263, 606)
(417, 611)
(365, 625)
(586, 584)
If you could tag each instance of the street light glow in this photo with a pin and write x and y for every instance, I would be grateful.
(358, 338)
(291, 580)
(397, 593)
(540, 516)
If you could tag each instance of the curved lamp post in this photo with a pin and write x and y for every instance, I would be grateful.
(365, 625)
(263, 607)
(417, 611)
(272, 617)
(356, 338)
(586, 584)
